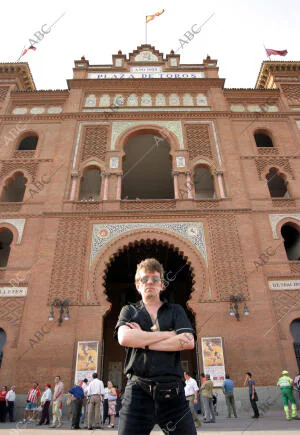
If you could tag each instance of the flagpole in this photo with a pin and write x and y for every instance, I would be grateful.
(266, 52)
(146, 30)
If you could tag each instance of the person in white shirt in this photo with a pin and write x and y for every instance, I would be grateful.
(191, 393)
(95, 394)
(10, 402)
(56, 401)
(45, 403)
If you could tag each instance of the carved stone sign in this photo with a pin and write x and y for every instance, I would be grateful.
(291, 284)
(8, 292)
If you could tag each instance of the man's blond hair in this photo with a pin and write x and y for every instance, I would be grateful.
(149, 265)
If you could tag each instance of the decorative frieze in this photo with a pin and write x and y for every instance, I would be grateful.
(105, 233)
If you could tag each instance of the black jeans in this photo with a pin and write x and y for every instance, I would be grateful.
(11, 406)
(76, 412)
(254, 407)
(140, 413)
(45, 413)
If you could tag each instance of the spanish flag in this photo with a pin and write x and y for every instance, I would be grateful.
(151, 17)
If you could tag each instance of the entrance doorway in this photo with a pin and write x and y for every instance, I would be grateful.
(120, 290)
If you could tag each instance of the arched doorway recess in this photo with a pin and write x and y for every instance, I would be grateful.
(120, 290)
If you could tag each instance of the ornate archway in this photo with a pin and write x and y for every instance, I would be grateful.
(120, 290)
(185, 237)
(111, 241)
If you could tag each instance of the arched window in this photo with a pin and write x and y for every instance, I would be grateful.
(90, 185)
(277, 184)
(28, 143)
(2, 343)
(204, 183)
(291, 238)
(6, 237)
(15, 188)
(147, 168)
(262, 140)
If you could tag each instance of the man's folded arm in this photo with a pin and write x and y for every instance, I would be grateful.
(136, 338)
(184, 341)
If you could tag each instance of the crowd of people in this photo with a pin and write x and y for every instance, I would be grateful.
(89, 404)
(203, 401)
(153, 333)
(91, 399)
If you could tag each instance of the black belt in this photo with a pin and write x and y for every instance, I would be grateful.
(158, 390)
(145, 383)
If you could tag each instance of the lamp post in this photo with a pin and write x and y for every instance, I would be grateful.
(234, 306)
(64, 313)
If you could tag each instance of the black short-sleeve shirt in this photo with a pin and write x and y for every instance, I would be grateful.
(151, 364)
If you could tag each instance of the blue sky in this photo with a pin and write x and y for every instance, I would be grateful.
(97, 29)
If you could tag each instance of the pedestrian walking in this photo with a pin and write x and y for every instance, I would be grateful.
(76, 404)
(10, 402)
(203, 379)
(95, 399)
(105, 406)
(154, 332)
(84, 410)
(31, 402)
(112, 402)
(228, 391)
(3, 409)
(191, 391)
(286, 388)
(45, 404)
(207, 394)
(297, 383)
(252, 394)
(56, 401)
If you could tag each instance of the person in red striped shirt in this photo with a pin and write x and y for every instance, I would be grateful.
(31, 401)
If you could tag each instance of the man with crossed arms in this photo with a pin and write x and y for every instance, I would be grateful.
(154, 332)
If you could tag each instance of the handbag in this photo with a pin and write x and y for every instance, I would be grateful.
(165, 392)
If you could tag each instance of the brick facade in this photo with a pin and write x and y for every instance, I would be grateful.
(60, 255)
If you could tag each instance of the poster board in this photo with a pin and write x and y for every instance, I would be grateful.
(213, 359)
(86, 359)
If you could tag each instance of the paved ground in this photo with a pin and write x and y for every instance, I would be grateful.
(272, 422)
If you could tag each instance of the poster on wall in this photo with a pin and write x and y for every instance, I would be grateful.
(213, 359)
(87, 359)
(115, 373)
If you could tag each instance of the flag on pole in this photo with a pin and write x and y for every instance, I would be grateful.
(276, 52)
(151, 17)
(32, 47)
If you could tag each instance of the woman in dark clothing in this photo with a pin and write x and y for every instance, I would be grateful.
(3, 409)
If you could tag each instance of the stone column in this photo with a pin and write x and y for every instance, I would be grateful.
(175, 178)
(189, 186)
(105, 188)
(119, 186)
(75, 176)
(220, 183)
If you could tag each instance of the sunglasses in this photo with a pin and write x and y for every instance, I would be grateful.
(155, 279)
